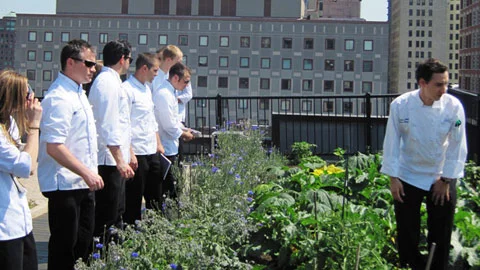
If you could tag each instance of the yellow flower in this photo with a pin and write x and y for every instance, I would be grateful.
(331, 169)
(318, 172)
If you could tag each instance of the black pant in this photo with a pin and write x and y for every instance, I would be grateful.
(146, 183)
(109, 201)
(70, 218)
(439, 223)
(170, 183)
(20, 253)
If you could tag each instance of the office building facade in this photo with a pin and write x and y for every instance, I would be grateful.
(7, 41)
(470, 46)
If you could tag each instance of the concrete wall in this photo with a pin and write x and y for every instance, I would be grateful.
(89, 6)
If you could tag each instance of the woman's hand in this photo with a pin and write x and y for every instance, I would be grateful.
(33, 112)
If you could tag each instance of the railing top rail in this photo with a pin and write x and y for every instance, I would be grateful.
(300, 97)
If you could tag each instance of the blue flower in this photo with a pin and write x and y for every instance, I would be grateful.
(99, 245)
(254, 127)
(96, 256)
(230, 172)
(194, 164)
(233, 154)
(211, 155)
(240, 158)
(249, 199)
(173, 266)
(237, 176)
(250, 193)
(214, 169)
(134, 254)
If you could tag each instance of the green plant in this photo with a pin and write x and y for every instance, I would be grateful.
(301, 150)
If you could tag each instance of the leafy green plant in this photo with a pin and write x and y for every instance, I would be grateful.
(301, 150)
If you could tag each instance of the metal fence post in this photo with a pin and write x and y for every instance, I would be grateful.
(368, 129)
(219, 117)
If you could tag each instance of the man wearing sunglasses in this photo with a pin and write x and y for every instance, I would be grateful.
(67, 170)
(112, 114)
(166, 113)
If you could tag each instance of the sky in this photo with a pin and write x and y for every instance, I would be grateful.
(372, 10)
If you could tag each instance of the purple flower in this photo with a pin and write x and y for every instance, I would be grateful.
(134, 254)
(194, 164)
(250, 193)
(254, 127)
(211, 155)
(240, 158)
(230, 172)
(99, 245)
(173, 266)
(249, 199)
(96, 256)
(237, 176)
(214, 169)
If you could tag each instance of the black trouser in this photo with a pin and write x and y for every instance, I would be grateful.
(169, 184)
(146, 183)
(109, 201)
(70, 218)
(439, 223)
(20, 253)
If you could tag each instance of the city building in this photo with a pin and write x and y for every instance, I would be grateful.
(7, 40)
(470, 46)
(420, 29)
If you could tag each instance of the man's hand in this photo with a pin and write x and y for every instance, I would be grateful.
(396, 187)
(160, 148)
(125, 170)
(93, 180)
(133, 162)
(441, 192)
(187, 136)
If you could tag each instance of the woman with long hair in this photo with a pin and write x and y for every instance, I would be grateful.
(20, 114)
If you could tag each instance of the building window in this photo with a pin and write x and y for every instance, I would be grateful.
(185, 59)
(142, 39)
(203, 41)
(222, 82)
(307, 64)
(205, 8)
(200, 121)
(183, 40)
(244, 62)
(349, 44)
(286, 84)
(327, 106)
(32, 36)
(287, 43)
(202, 61)
(264, 83)
(243, 83)
(329, 44)
(348, 86)
(201, 103)
(47, 75)
(266, 42)
(265, 63)
(48, 37)
(123, 36)
(243, 104)
(307, 85)
(308, 43)
(264, 104)
(228, 8)
(306, 105)
(84, 36)
(245, 42)
(223, 61)
(65, 37)
(103, 38)
(367, 87)
(202, 81)
(31, 74)
(329, 64)
(348, 65)
(286, 63)
(162, 39)
(285, 105)
(47, 56)
(184, 7)
(328, 86)
(367, 66)
(224, 41)
(368, 45)
(31, 55)
(348, 107)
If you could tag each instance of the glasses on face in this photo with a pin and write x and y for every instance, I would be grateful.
(186, 81)
(30, 92)
(87, 63)
(130, 59)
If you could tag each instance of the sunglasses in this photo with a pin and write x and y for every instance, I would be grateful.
(87, 63)
(130, 59)
(186, 82)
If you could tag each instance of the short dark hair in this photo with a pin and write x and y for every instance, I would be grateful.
(72, 50)
(145, 59)
(426, 69)
(179, 69)
(114, 51)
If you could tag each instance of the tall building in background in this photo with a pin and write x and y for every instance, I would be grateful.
(7, 40)
(421, 29)
(346, 9)
(470, 46)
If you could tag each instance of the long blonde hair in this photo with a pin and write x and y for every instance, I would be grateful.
(13, 94)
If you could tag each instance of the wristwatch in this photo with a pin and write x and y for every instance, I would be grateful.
(446, 180)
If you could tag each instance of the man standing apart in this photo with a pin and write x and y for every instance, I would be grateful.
(424, 153)
(146, 143)
(112, 114)
(67, 170)
(166, 114)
